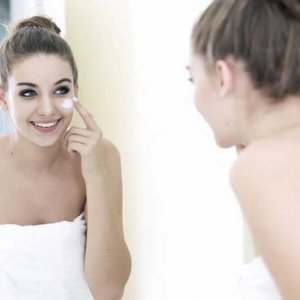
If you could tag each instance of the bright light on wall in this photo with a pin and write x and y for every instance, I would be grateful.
(190, 223)
(54, 9)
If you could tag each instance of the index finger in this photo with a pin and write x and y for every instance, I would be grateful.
(85, 115)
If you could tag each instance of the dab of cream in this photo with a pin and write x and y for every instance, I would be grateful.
(67, 103)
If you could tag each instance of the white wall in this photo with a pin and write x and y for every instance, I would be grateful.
(55, 9)
(189, 222)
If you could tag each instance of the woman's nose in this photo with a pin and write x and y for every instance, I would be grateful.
(45, 106)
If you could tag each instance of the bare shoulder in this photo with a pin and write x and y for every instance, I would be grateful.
(265, 179)
(266, 162)
(111, 151)
(112, 159)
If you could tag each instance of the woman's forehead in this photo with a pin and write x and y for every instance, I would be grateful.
(41, 68)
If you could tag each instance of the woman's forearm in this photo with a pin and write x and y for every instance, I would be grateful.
(107, 259)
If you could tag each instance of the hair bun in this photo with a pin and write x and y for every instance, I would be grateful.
(38, 21)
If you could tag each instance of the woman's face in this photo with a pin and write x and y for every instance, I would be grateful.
(205, 92)
(37, 87)
(216, 106)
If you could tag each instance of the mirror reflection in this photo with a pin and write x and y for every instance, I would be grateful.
(61, 226)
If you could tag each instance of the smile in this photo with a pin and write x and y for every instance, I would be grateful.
(45, 127)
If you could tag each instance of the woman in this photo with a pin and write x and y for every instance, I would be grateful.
(245, 65)
(61, 234)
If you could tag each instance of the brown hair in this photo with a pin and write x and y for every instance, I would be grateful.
(264, 34)
(31, 36)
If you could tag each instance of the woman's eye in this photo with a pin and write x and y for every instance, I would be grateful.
(62, 90)
(27, 93)
(191, 80)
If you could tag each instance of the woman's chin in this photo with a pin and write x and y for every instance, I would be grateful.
(224, 142)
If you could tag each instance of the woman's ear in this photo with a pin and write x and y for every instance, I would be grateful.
(3, 100)
(224, 77)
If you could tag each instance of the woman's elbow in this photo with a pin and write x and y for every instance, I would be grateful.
(108, 294)
(115, 290)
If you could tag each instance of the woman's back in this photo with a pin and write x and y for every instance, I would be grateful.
(265, 177)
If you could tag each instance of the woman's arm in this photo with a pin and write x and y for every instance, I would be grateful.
(107, 259)
(266, 180)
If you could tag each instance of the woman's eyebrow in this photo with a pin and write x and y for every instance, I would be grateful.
(62, 80)
(35, 85)
(27, 83)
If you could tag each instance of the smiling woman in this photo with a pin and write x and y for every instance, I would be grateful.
(69, 236)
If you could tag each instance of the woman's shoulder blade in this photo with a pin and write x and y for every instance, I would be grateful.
(267, 166)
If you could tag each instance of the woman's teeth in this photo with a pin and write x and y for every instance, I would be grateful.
(45, 125)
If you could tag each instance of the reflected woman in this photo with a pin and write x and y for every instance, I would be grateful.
(245, 66)
(61, 232)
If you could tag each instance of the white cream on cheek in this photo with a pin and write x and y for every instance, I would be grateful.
(67, 103)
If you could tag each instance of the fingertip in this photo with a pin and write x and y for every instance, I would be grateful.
(75, 99)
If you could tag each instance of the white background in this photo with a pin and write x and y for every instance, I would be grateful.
(190, 226)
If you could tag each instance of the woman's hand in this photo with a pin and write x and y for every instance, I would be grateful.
(107, 259)
(88, 142)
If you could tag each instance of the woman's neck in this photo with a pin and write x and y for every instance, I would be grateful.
(271, 121)
(28, 156)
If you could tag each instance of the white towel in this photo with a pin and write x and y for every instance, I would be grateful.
(43, 262)
(256, 282)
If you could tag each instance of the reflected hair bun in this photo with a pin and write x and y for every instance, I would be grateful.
(37, 22)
